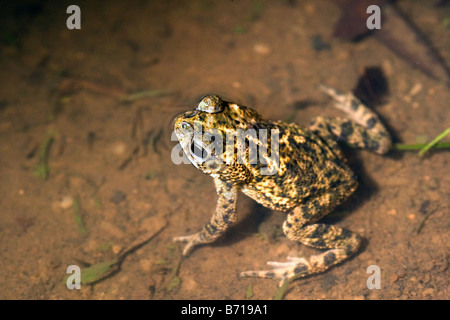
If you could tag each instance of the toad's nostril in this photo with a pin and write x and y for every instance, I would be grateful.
(186, 115)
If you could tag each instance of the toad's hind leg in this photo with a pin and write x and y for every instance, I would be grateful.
(363, 130)
(340, 244)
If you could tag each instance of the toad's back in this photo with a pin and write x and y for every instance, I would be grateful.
(307, 167)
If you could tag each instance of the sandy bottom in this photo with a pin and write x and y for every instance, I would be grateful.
(111, 178)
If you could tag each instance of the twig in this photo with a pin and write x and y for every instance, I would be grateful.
(422, 223)
(102, 270)
(72, 84)
(140, 241)
(126, 161)
(144, 94)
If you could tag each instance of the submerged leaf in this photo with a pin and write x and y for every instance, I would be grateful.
(98, 271)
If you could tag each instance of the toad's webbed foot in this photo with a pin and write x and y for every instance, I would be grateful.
(192, 241)
(296, 267)
(363, 130)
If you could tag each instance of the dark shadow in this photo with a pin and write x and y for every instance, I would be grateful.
(246, 226)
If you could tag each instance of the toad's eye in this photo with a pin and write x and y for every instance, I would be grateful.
(211, 104)
(186, 126)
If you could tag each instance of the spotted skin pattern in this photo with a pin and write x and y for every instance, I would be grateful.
(312, 176)
(224, 216)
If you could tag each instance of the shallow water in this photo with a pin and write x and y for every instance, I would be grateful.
(115, 156)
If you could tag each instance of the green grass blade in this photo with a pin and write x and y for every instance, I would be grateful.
(78, 217)
(42, 170)
(282, 290)
(434, 142)
(419, 146)
(249, 292)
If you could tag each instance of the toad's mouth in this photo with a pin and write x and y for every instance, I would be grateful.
(202, 147)
(198, 151)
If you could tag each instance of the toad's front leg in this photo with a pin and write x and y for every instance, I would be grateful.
(224, 216)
